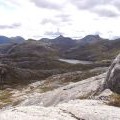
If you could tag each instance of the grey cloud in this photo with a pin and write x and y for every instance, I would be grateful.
(97, 33)
(116, 3)
(52, 34)
(88, 4)
(37, 37)
(64, 17)
(106, 13)
(46, 21)
(46, 4)
(57, 19)
(91, 5)
(13, 26)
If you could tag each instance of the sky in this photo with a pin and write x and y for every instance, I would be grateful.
(50, 18)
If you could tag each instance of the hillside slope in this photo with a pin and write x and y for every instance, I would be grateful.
(87, 99)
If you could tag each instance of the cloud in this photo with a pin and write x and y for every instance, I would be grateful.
(64, 17)
(47, 4)
(93, 5)
(53, 34)
(46, 21)
(41, 18)
(106, 12)
(56, 20)
(116, 3)
(88, 4)
(13, 26)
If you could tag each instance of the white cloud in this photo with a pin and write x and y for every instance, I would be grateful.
(73, 18)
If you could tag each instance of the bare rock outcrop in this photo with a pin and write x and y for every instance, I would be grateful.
(73, 110)
(113, 76)
(79, 90)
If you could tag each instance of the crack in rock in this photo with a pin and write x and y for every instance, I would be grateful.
(72, 115)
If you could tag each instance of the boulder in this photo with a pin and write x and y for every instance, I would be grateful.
(113, 76)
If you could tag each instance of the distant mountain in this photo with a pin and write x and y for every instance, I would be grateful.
(6, 40)
(18, 39)
(45, 40)
(61, 43)
(65, 41)
(90, 39)
(94, 49)
(91, 47)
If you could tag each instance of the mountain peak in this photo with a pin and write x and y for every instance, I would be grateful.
(18, 39)
(92, 36)
(60, 36)
(4, 40)
(90, 39)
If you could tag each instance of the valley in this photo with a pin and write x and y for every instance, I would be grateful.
(60, 78)
(59, 60)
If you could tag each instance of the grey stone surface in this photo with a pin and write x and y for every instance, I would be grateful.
(113, 76)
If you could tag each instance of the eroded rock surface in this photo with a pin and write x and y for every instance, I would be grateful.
(113, 76)
(80, 90)
(73, 110)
